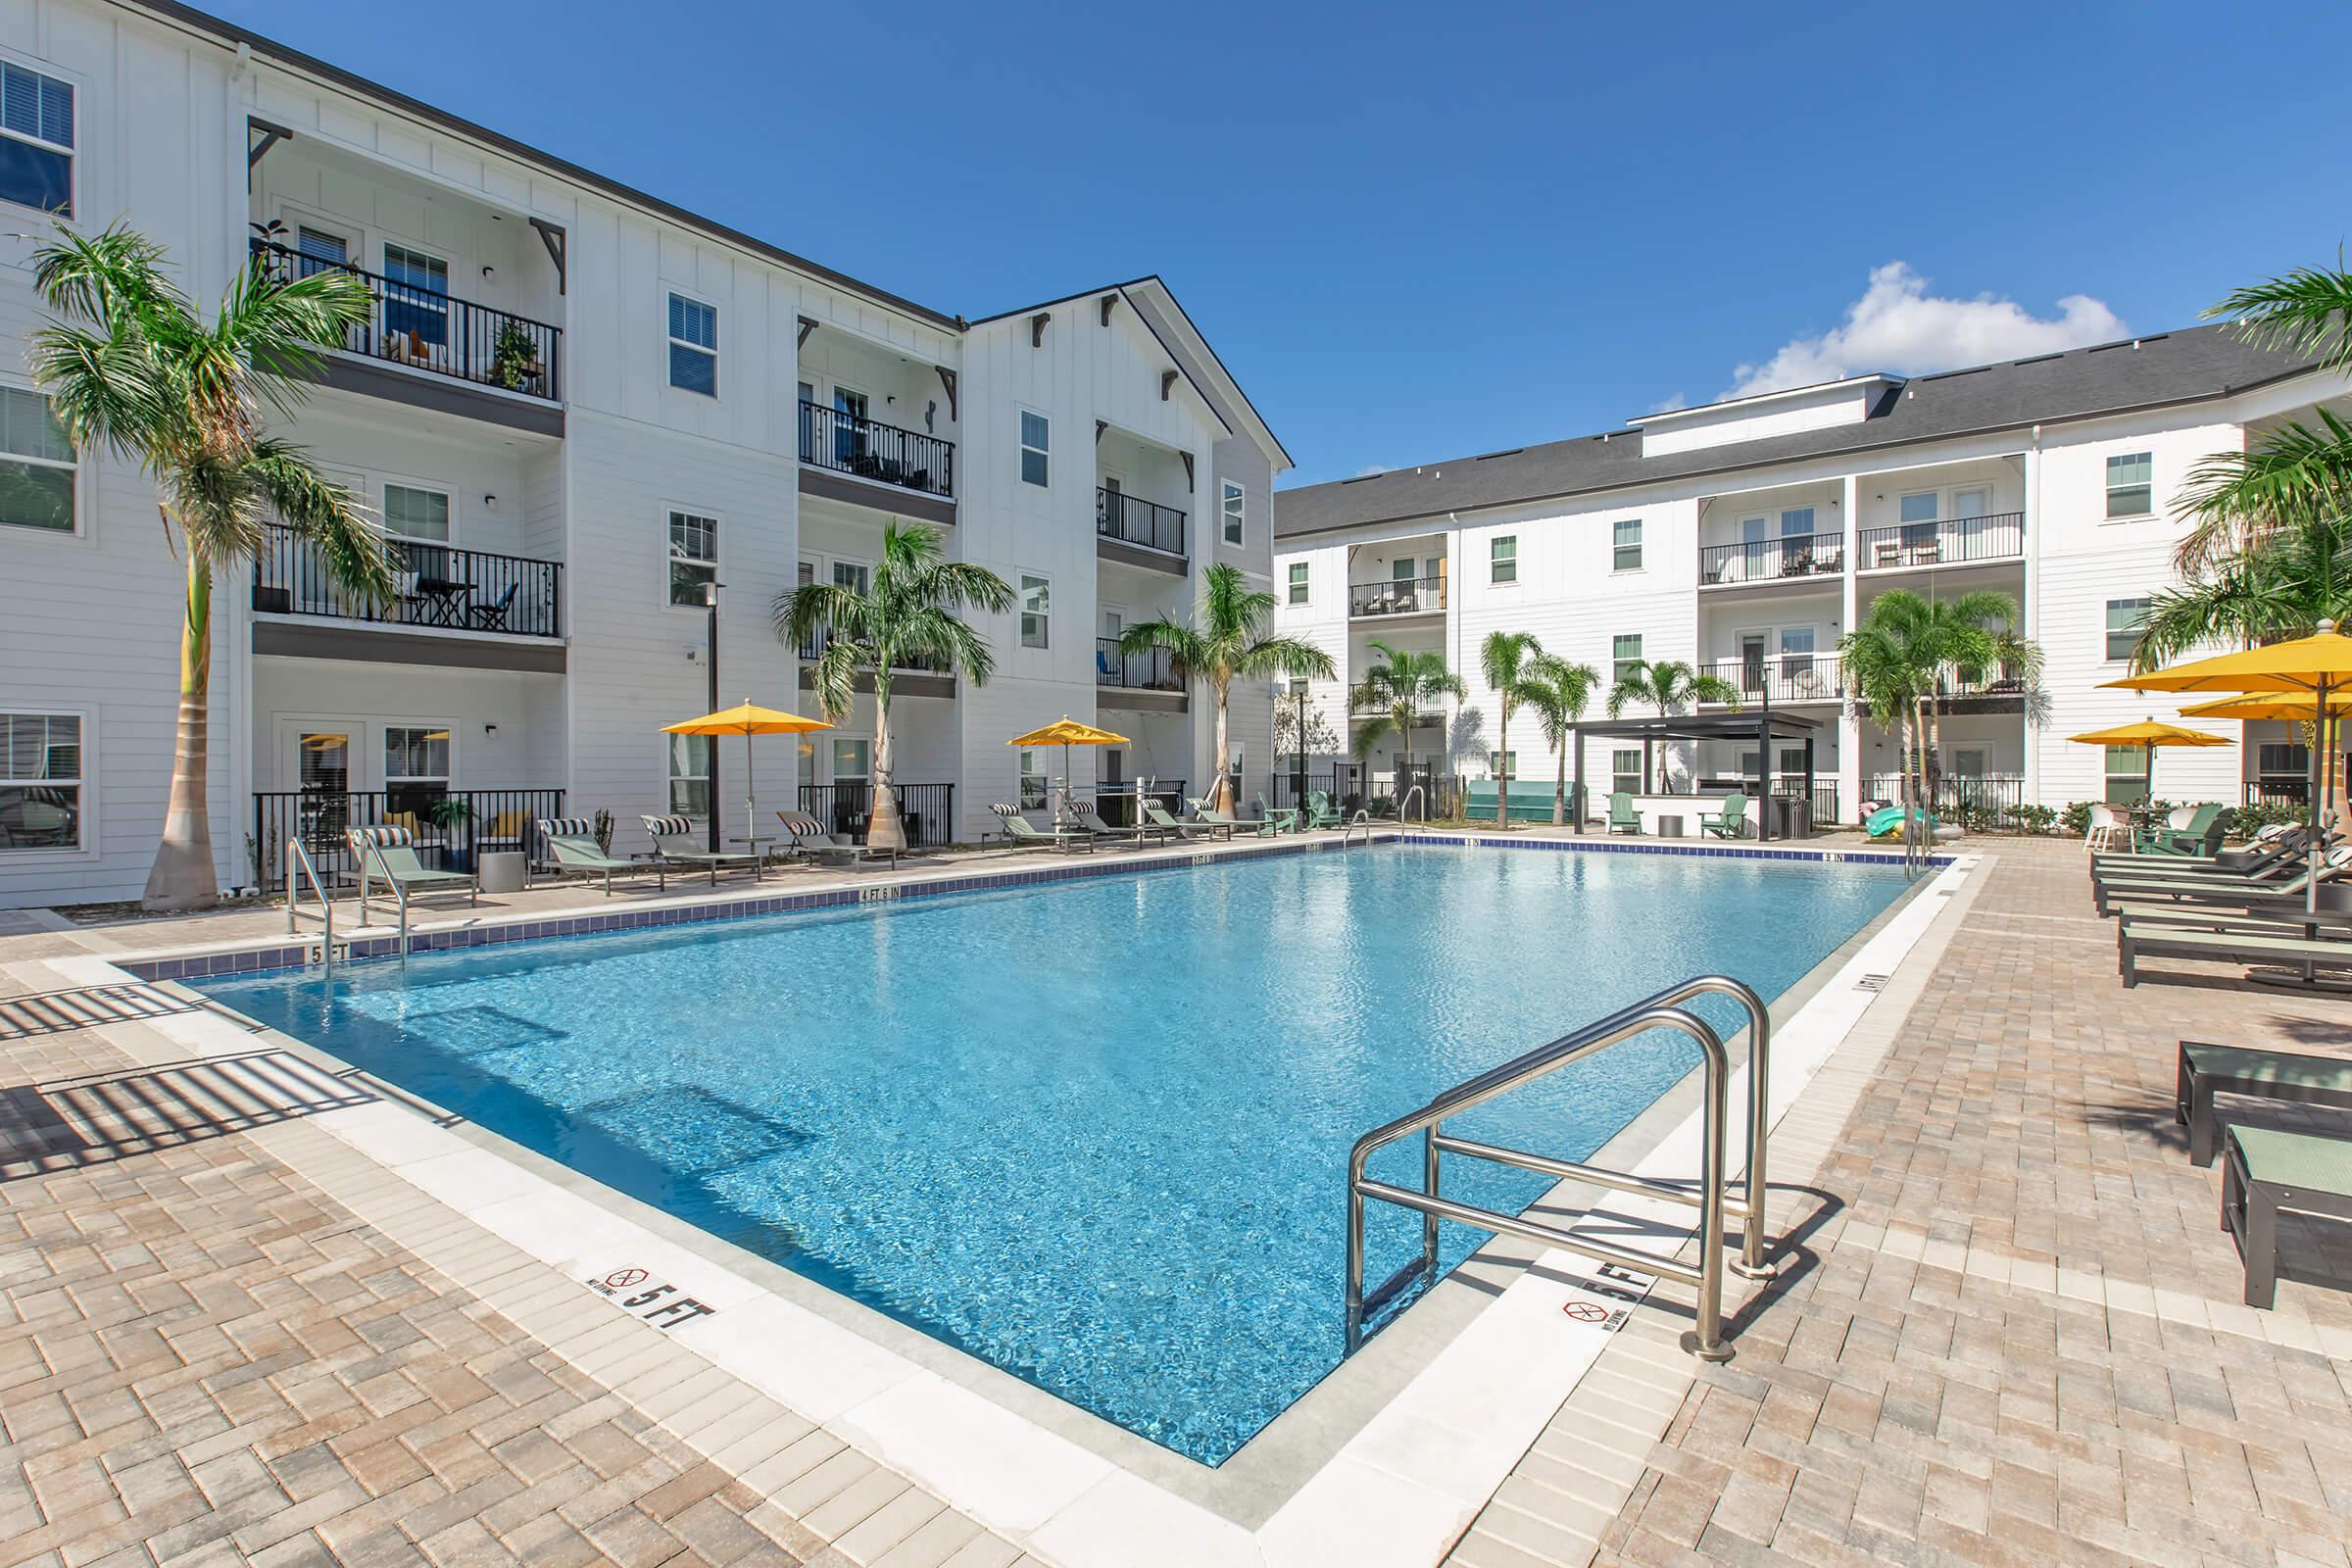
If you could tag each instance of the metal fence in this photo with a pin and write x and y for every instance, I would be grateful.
(847, 443)
(1773, 560)
(1955, 793)
(927, 811)
(1133, 520)
(1998, 537)
(432, 330)
(1151, 669)
(1401, 596)
(434, 585)
(1781, 677)
(452, 826)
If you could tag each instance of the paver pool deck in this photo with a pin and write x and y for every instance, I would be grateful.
(2011, 1331)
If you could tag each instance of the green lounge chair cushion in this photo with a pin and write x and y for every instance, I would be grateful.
(2269, 1066)
(2297, 1159)
(2324, 951)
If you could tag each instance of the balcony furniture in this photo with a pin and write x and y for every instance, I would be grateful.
(441, 600)
(493, 616)
(2269, 1170)
(674, 842)
(439, 334)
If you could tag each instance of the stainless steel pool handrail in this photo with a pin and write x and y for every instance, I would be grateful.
(1362, 819)
(369, 855)
(1401, 816)
(298, 863)
(1711, 1196)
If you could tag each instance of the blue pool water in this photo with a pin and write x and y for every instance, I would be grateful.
(1093, 1133)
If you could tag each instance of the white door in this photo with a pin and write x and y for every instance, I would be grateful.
(1109, 665)
(1969, 508)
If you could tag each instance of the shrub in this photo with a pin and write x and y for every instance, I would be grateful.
(2040, 818)
(2075, 819)
(2252, 819)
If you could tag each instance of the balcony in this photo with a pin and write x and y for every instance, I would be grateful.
(439, 334)
(1781, 678)
(913, 677)
(1781, 559)
(435, 587)
(1151, 670)
(1403, 596)
(1951, 542)
(1127, 520)
(867, 449)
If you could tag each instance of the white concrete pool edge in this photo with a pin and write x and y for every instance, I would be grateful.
(1402, 1491)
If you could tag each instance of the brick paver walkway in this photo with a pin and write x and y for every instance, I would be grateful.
(2020, 1338)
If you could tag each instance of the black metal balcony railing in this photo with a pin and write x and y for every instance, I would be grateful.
(2277, 790)
(872, 450)
(1153, 669)
(432, 330)
(812, 647)
(1116, 803)
(1809, 555)
(1133, 520)
(451, 826)
(1402, 595)
(434, 585)
(1955, 793)
(1999, 537)
(1782, 677)
(1993, 684)
(927, 811)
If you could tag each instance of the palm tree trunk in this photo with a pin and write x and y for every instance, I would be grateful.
(1222, 796)
(182, 876)
(1559, 791)
(1502, 768)
(883, 828)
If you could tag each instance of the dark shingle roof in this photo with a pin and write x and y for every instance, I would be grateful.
(2183, 367)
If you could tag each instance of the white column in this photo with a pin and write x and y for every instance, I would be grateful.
(1849, 725)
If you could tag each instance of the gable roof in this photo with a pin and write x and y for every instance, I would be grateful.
(2191, 366)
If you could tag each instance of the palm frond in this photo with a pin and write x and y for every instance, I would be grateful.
(2308, 310)
(347, 543)
(833, 677)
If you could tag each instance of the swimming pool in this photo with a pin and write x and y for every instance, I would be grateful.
(1093, 1133)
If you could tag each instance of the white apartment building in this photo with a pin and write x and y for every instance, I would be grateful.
(576, 405)
(1746, 537)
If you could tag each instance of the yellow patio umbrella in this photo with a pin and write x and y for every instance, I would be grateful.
(2148, 734)
(2285, 709)
(747, 719)
(1067, 732)
(2316, 669)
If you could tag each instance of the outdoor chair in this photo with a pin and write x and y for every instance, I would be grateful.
(571, 846)
(1320, 813)
(391, 853)
(2280, 882)
(1277, 818)
(1026, 835)
(2207, 1069)
(674, 842)
(1732, 821)
(1224, 819)
(816, 845)
(492, 617)
(1090, 821)
(2288, 948)
(1157, 816)
(2267, 1171)
(1623, 819)
(2105, 828)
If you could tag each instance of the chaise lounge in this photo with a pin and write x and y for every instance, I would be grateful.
(674, 842)
(572, 847)
(2135, 940)
(391, 853)
(815, 845)
(1026, 835)
(2267, 1171)
(2207, 1069)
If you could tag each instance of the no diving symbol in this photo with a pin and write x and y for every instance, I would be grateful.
(620, 1279)
(1587, 1311)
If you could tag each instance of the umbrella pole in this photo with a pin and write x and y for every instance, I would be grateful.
(751, 793)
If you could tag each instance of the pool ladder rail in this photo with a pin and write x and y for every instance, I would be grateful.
(1710, 1196)
(300, 869)
(1362, 819)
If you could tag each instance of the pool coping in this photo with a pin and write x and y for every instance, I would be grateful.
(1067, 1500)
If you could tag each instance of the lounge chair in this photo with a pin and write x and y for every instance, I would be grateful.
(2279, 842)
(2135, 940)
(1278, 818)
(572, 847)
(1025, 834)
(391, 854)
(2267, 1171)
(2207, 1069)
(674, 842)
(1157, 816)
(1732, 821)
(1623, 819)
(2274, 888)
(2199, 838)
(1089, 820)
(816, 845)
(1224, 819)
(1320, 813)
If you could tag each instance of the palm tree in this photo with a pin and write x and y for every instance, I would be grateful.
(130, 368)
(1559, 690)
(2285, 585)
(1393, 693)
(1972, 635)
(1230, 639)
(1904, 657)
(1502, 661)
(1672, 686)
(904, 618)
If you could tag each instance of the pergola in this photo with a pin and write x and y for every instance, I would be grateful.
(1763, 726)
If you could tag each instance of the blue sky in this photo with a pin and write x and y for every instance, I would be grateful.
(1417, 233)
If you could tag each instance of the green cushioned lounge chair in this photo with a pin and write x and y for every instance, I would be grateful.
(2268, 1172)
(2207, 1069)
(571, 846)
(1027, 835)
(390, 854)
(2135, 940)
(674, 842)
(1157, 816)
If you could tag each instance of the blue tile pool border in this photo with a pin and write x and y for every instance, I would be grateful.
(265, 956)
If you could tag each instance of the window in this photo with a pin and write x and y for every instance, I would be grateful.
(416, 295)
(415, 771)
(850, 758)
(1236, 509)
(36, 140)
(692, 346)
(2132, 485)
(37, 463)
(693, 558)
(1625, 772)
(1628, 539)
(1037, 612)
(2124, 618)
(690, 775)
(412, 512)
(1033, 784)
(1297, 582)
(1036, 448)
(1499, 762)
(1402, 570)
(2127, 774)
(41, 777)
(1796, 522)
(1625, 653)
(317, 250)
(1503, 559)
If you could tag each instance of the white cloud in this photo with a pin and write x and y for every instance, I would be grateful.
(1897, 325)
(1672, 404)
(1369, 471)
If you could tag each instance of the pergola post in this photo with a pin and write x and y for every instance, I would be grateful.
(1764, 771)
(1576, 798)
(1809, 773)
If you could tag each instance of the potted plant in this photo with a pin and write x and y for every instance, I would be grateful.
(452, 813)
(513, 357)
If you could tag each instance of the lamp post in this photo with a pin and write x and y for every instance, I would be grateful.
(710, 658)
(1298, 746)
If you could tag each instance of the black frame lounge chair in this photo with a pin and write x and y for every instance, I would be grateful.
(2207, 1069)
(674, 842)
(1090, 820)
(1027, 835)
(572, 847)
(2269, 1171)
(1157, 816)
(2134, 941)
(814, 844)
